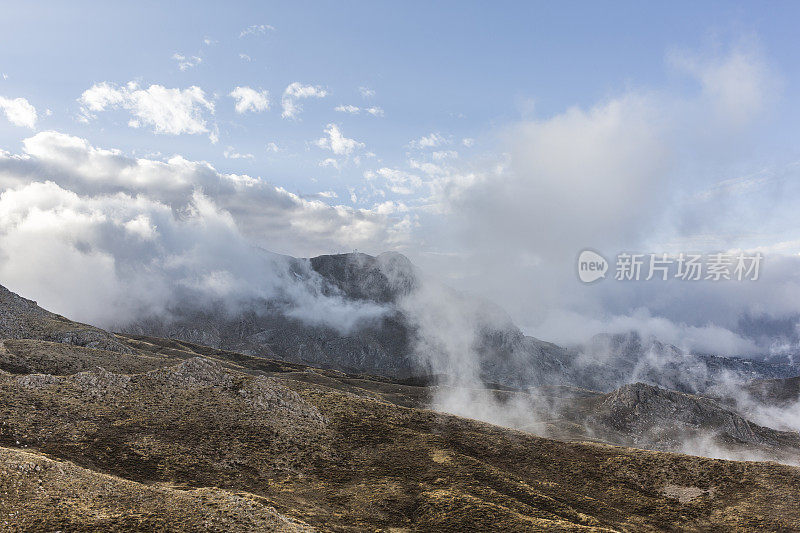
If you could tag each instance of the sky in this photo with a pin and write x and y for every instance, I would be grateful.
(142, 144)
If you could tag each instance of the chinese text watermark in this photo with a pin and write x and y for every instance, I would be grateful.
(719, 266)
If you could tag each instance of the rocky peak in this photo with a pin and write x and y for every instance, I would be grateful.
(381, 279)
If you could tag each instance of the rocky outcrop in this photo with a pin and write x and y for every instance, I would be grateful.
(654, 417)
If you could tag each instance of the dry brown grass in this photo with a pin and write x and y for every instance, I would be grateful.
(241, 435)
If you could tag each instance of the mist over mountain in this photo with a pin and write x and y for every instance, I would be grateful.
(421, 328)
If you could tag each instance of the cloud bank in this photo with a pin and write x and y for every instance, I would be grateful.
(98, 235)
(624, 174)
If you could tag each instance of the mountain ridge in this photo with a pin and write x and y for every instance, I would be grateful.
(388, 344)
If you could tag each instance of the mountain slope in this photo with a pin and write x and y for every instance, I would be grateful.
(341, 461)
(181, 434)
(23, 319)
(645, 416)
(89, 501)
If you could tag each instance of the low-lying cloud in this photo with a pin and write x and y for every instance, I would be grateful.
(627, 174)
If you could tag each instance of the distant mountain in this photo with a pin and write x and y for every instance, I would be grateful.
(611, 361)
(269, 328)
(779, 392)
(384, 345)
(393, 344)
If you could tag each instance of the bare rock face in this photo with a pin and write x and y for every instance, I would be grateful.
(23, 319)
(384, 345)
(379, 345)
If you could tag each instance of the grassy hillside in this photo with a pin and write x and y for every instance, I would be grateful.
(211, 435)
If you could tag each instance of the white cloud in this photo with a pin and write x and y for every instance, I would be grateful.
(245, 57)
(366, 92)
(338, 143)
(248, 99)
(468, 142)
(208, 41)
(398, 181)
(328, 194)
(230, 153)
(168, 111)
(389, 207)
(619, 175)
(570, 327)
(431, 169)
(273, 147)
(353, 110)
(738, 85)
(139, 255)
(297, 91)
(429, 141)
(256, 29)
(605, 168)
(185, 63)
(329, 162)
(19, 111)
(444, 154)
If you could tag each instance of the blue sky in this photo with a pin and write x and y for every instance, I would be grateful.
(490, 142)
(462, 69)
